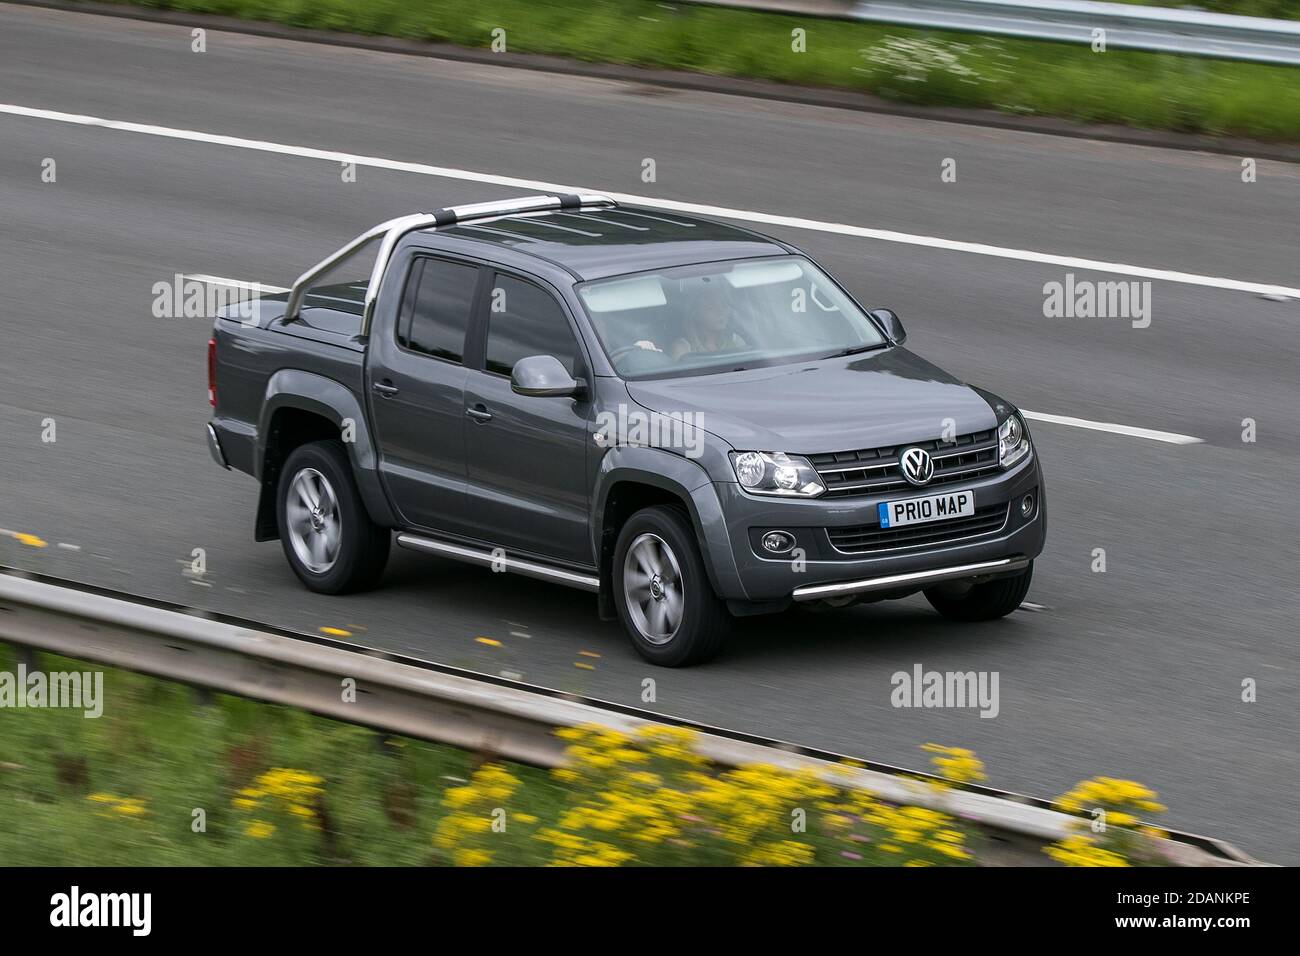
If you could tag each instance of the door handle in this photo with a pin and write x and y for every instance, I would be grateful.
(384, 389)
(479, 413)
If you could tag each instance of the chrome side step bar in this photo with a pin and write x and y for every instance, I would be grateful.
(531, 569)
(813, 592)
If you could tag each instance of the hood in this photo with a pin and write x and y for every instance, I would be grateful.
(871, 400)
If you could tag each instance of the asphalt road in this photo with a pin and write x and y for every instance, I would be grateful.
(1135, 672)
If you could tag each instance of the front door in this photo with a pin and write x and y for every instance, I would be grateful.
(527, 482)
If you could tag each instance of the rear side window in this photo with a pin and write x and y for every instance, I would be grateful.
(437, 303)
(524, 320)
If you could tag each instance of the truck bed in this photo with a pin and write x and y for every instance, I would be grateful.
(253, 346)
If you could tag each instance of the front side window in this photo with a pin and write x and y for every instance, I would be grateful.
(438, 299)
(724, 315)
(524, 320)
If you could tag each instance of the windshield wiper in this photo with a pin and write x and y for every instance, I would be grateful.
(858, 349)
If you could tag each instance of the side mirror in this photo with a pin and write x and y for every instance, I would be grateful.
(892, 325)
(542, 376)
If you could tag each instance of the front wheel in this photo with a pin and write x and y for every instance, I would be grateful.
(662, 591)
(328, 537)
(963, 601)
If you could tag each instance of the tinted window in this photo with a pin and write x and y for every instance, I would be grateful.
(439, 297)
(522, 321)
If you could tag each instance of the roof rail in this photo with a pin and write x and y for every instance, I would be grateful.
(391, 231)
(512, 207)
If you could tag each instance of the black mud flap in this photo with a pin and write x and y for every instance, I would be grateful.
(266, 527)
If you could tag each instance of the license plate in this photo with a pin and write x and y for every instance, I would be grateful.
(894, 514)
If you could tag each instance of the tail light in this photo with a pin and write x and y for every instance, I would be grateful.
(212, 372)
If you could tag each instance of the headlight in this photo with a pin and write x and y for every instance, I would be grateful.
(776, 473)
(1013, 441)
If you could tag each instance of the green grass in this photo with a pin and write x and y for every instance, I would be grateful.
(1156, 91)
(156, 742)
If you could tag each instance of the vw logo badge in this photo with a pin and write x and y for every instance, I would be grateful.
(918, 467)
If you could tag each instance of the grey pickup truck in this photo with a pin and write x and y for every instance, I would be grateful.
(691, 420)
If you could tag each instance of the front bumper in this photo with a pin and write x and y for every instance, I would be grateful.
(818, 569)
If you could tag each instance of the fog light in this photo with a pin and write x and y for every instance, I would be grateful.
(1027, 505)
(778, 542)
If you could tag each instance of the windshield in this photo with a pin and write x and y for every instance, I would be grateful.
(724, 315)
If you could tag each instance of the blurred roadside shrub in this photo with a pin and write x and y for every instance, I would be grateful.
(1110, 832)
(649, 799)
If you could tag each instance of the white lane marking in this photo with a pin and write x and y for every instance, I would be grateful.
(721, 212)
(1131, 430)
(1172, 438)
(261, 287)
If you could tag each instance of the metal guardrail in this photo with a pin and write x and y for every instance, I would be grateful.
(1125, 26)
(467, 710)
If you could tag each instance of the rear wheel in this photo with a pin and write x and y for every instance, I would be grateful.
(662, 591)
(327, 535)
(963, 601)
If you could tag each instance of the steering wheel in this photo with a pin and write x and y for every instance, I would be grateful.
(618, 353)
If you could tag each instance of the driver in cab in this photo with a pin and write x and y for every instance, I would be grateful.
(708, 324)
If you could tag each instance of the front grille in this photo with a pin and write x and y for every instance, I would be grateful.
(871, 471)
(866, 538)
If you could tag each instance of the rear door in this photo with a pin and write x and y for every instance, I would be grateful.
(416, 375)
(527, 481)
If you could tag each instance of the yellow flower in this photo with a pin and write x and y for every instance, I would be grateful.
(118, 806)
(130, 808)
(259, 829)
(1079, 850)
(956, 764)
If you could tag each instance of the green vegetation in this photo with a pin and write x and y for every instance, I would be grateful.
(277, 786)
(1156, 91)
(165, 777)
(122, 789)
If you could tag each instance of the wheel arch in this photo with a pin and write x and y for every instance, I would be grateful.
(301, 407)
(632, 478)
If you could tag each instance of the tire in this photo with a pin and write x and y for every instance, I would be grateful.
(352, 558)
(658, 545)
(981, 602)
